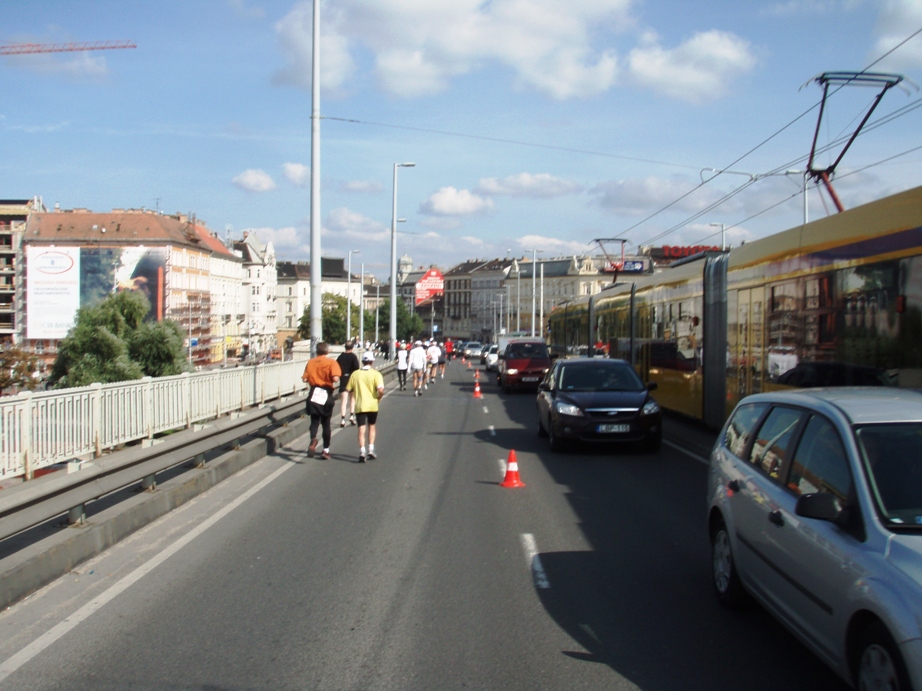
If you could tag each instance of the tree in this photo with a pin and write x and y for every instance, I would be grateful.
(106, 338)
(409, 324)
(333, 316)
(16, 369)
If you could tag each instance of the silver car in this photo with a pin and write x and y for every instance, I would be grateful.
(491, 358)
(815, 510)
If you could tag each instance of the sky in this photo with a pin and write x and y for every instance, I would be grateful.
(536, 126)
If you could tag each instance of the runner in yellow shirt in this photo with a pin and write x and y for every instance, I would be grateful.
(367, 385)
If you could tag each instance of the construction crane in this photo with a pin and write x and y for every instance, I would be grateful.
(28, 48)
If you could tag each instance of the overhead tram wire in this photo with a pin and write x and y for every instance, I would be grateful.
(760, 144)
(798, 193)
(516, 142)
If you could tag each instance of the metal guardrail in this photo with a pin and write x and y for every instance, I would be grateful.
(41, 429)
(32, 503)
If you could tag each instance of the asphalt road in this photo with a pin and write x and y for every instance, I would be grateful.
(415, 571)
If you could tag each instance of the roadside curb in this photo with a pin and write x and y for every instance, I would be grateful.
(39, 564)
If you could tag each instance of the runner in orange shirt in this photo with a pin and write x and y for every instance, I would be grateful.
(321, 374)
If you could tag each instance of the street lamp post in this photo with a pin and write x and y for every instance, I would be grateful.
(534, 279)
(518, 297)
(349, 297)
(377, 311)
(362, 311)
(723, 226)
(391, 349)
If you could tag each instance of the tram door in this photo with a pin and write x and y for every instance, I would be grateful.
(749, 341)
(642, 330)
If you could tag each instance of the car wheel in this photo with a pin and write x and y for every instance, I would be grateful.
(727, 583)
(878, 663)
(553, 441)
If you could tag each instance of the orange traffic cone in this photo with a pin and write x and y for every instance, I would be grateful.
(476, 375)
(469, 365)
(512, 472)
(477, 393)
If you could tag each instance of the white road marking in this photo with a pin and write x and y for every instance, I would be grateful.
(492, 431)
(45, 640)
(700, 459)
(534, 560)
(502, 465)
(485, 410)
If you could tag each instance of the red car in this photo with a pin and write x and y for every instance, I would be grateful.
(523, 364)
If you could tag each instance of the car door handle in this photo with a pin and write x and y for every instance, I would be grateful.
(776, 518)
(733, 485)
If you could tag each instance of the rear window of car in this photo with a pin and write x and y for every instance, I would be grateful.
(740, 429)
(893, 463)
(526, 350)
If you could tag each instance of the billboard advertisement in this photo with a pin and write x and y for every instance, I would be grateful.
(53, 280)
(60, 280)
(432, 283)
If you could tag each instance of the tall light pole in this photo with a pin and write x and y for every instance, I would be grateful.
(501, 329)
(518, 296)
(391, 348)
(316, 286)
(534, 286)
(542, 301)
(362, 311)
(723, 226)
(349, 296)
(377, 311)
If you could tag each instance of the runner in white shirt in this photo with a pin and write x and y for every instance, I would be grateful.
(434, 353)
(417, 363)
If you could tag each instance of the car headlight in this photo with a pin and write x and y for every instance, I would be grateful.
(512, 370)
(568, 409)
(650, 407)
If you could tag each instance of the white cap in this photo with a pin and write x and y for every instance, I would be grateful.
(418, 343)
(368, 356)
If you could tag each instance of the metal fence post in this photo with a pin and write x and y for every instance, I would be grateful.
(26, 439)
(147, 382)
(261, 382)
(96, 423)
(187, 398)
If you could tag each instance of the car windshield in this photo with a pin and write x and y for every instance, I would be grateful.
(592, 377)
(526, 350)
(893, 463)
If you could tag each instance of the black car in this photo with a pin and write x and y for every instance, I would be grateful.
(597, 400)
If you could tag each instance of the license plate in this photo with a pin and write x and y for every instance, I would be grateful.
(530, 378)
(613, 428)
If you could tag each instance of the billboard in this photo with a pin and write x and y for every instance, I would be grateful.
(60, 280)
(432, 283)
(53, 284)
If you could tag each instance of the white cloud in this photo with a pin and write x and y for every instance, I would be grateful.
(296, 42)
(643, 196)
(449, 201)
(795, 8)
(420, 45)
(443, 223)
(254, 180)
(281, 238)
(553, 247)
(81, 66)
(897, 20)
(473, 242)
(362, 186)
(540, 186)
(695, 71)
(241, 9)
(297, 174)
(344, 222)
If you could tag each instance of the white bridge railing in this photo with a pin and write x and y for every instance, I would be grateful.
(41, 429)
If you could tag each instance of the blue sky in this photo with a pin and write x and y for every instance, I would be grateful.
(534, 124)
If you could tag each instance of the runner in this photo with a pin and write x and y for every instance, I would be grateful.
(416, 361)
(367, 385)
(321, 374)
(443, 360)
(433, 353)
(348, 363)
(402, 366)
(450, 350)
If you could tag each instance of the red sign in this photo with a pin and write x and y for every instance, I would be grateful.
(432, 283)
(675, 252)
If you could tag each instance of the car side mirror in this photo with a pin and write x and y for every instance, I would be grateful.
(823, 506)
(652, 386)
(544, 386)
(554, 356)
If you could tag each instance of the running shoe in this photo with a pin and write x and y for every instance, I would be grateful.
(372, 454)
(312, 448)
(325, 455)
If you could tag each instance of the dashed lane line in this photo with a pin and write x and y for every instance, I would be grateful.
(534, 561)
(700, 459)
